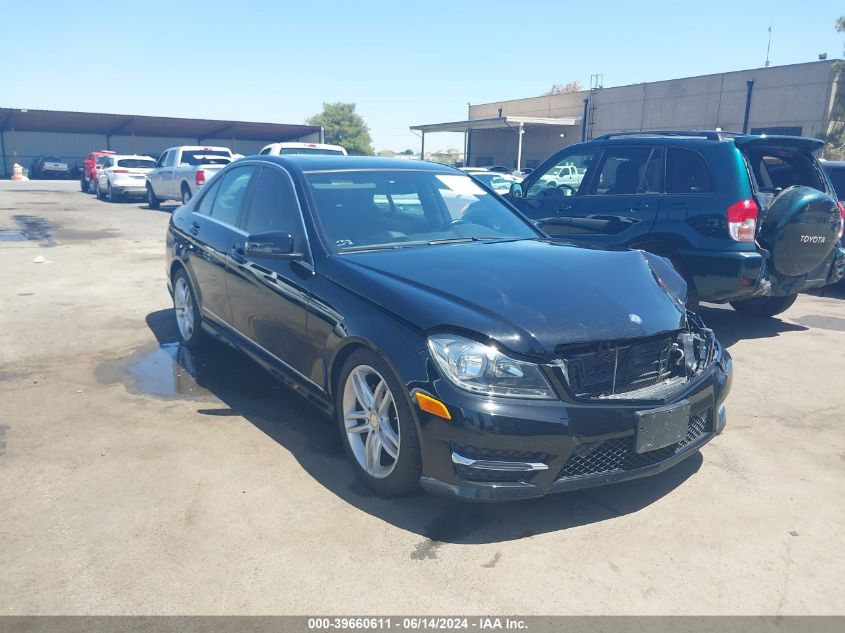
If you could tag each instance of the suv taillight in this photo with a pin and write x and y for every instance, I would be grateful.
(200, 177)
(841, 219)
(742, 220)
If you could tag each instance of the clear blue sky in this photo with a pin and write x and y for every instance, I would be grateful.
(403, 63)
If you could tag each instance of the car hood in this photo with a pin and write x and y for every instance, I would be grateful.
(530, 295)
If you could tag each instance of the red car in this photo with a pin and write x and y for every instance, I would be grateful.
(89, 169)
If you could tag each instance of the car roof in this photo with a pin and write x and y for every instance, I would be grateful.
(309, 162)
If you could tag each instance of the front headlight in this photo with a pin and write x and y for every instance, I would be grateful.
(483, 369)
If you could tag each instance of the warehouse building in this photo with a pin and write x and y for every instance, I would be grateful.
(26, 134)
(800, 99)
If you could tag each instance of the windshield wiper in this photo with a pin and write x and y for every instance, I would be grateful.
(453, 240)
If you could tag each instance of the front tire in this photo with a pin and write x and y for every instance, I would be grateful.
(764, 306)
(152, 201)
(186, 307)
(377, 426)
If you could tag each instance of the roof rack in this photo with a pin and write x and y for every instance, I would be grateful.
(710, 135)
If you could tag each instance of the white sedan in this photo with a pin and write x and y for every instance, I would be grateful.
(123, 175)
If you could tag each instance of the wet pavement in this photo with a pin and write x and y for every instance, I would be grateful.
(30, 227)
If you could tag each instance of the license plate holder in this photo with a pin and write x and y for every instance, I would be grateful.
(661, 427)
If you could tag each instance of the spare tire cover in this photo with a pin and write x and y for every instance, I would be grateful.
(800, 230)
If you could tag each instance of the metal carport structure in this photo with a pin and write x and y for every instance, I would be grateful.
(515, 123)
(81, 132)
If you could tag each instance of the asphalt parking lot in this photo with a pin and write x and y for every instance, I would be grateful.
(138, 478)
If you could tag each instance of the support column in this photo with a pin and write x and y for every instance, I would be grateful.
(519, 147)
(422, 145)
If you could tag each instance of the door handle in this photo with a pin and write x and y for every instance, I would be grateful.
(195, 228)
(638, 208)
(564, 209)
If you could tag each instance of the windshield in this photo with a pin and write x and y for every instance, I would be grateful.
(206, 157)
(143, 163)
(310, 150)
(360, 210)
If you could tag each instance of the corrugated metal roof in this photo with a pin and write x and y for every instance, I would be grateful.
(128, 124)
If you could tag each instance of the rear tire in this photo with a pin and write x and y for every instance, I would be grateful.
(111, 196)
(152, 201)
(186, 194)
(764, 306)
(394, 466)
(83, 185)
(187, 309)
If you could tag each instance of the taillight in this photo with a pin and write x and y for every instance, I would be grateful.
(742, 220)
(200, 177)
(841, 219)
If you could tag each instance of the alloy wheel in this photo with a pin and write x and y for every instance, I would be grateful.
(183, 303)
(371, 421)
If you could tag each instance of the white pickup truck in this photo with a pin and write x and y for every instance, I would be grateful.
(568, 175)
(181, 171)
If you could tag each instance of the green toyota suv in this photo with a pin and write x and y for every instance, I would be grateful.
(747, 219)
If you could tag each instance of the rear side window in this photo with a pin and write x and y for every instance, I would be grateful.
(231, 194)
(777, 169)
(687, 172)
(207, 201)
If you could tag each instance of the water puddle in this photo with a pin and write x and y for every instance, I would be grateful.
(12, 235)
(31, 228)
(216, 373)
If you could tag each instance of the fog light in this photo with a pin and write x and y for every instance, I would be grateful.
(721, 420)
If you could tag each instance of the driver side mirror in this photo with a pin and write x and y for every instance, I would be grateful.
(276, 244)
(516, 191)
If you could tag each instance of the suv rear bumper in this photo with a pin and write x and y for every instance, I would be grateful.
(725, 276)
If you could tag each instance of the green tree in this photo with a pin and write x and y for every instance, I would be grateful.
(343, 126)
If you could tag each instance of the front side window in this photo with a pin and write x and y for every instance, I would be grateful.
(231, 194)
(563, 178)
(629, 170)
(162, 161)
(359, 210)
(274, 205)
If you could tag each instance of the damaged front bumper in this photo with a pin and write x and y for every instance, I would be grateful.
(506, 448)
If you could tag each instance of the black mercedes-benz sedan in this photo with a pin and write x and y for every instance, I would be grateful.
(455, 345)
